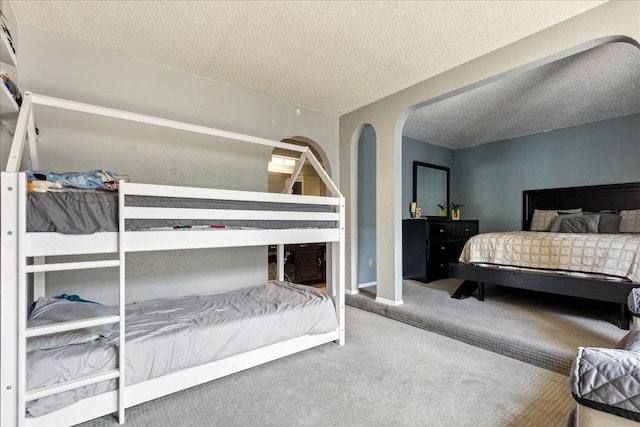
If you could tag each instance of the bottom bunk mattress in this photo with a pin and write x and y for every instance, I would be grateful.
(167, 335)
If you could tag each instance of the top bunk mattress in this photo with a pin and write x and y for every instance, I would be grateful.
(90, 211)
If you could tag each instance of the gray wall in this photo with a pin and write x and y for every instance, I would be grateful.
(616, 18)
(367, 206)
(60, 67)
(428, 153)
(490, 178)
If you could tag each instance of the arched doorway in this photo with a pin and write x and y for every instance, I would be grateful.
(283, 161)
(304, 263)
(367, 254)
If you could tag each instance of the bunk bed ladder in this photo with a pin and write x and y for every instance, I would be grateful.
(121, 301)
(38, 269)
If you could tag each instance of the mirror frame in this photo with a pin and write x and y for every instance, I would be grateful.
(417, 164)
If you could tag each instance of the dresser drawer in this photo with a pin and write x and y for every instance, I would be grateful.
(438, 248)
(466, 230)
(441, 231)
(438, 268)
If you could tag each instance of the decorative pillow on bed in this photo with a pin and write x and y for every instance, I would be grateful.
(580, 224)
(630, 221)
(542, 220)
(52, 310)
(557, 221)
(609, 222)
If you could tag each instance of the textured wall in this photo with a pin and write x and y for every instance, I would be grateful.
(387, 116)
(56, 66)
(428, 153)
(490, 178)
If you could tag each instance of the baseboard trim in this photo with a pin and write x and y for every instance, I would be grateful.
(350, 292)
(366, 285)
(389, 302)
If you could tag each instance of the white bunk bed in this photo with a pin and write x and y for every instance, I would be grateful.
(24, 264)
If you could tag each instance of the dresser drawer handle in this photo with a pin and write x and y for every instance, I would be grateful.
(466, 229)
(442, 230)
(441, 265)
(443, 248)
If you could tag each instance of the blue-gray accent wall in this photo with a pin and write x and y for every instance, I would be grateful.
(428, 153)
(367, 206)
(490, 178)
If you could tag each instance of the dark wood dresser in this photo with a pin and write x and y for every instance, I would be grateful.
(309, 262)
(305, 264)
(429, 244)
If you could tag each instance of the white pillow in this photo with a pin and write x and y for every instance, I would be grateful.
(542, 220)
(630, 221)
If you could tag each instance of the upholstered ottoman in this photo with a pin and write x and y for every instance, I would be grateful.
(606, 381)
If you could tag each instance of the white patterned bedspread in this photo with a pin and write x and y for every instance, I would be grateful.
(609, 254)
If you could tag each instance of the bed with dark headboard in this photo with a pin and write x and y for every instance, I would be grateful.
(597, 198)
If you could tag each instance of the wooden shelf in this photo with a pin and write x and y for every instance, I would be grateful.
(8, 105)
(6, 53)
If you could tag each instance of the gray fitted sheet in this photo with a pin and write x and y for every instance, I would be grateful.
(167, 335)
(88, 211)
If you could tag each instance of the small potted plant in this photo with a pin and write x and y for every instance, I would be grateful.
(455, 210)
(443, 210)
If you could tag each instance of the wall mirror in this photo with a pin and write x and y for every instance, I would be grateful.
(430, 188)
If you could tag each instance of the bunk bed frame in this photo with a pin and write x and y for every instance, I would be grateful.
(25, 254)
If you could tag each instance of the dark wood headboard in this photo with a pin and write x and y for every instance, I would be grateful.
(593, 198)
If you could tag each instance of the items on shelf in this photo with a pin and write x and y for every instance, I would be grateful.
(416, 211)
(5, 29)
(12, 87)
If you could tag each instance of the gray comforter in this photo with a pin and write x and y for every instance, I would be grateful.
(88, 211)
(167, 335)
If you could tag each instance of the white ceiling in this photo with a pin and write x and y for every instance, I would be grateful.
(329, 56)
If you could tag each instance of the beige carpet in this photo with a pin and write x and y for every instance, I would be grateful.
(542, 329)
(387, 374)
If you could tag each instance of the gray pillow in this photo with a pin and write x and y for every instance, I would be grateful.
(555, 226)
(542, 220)
(49, 311)
(580, 224)
(609, 222)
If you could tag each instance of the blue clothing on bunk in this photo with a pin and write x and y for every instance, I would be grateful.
(95, 179)
(74, 298)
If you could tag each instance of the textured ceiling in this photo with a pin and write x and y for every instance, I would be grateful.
(328, 56)
(594, 85)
